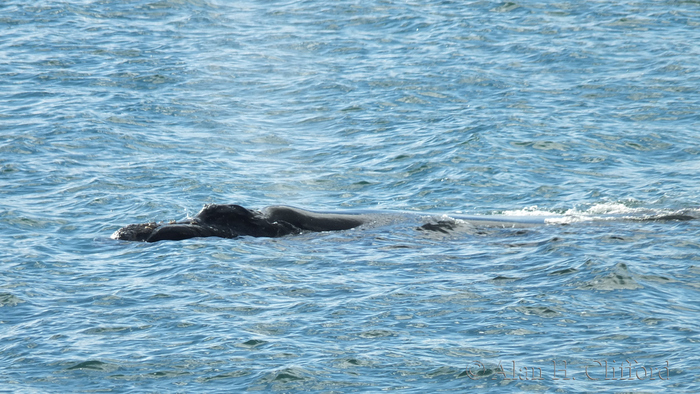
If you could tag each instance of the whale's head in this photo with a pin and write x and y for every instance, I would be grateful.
(216, 220)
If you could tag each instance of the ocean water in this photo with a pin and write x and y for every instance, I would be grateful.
(116, 112)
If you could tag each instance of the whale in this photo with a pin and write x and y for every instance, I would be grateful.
(232, 221)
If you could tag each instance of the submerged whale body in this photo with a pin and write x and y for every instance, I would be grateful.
(231, 221)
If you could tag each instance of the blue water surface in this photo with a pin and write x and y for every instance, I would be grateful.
(117, 112)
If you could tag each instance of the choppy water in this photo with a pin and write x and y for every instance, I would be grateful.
(117, 112)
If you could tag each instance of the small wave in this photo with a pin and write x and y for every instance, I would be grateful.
(620, 278)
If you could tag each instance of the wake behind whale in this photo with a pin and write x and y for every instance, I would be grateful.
(232, 221)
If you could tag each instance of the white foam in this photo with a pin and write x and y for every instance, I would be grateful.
(603, 211)
(528, 211)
